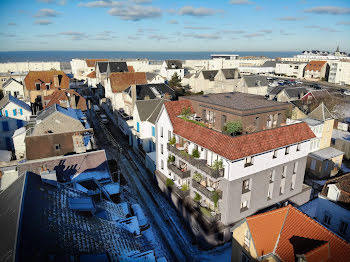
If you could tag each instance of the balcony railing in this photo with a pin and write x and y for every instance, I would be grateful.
(179, 192)
(205, 191)
(198, 163)
(177, 171)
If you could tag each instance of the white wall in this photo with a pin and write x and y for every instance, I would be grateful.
(19, 145)
(11, 106)
(13, 87)
(28, 66)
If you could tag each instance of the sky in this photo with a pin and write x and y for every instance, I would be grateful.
(166, 25)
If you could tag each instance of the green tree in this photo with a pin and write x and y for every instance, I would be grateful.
(233, 127)
(175, 81)
(172, 141)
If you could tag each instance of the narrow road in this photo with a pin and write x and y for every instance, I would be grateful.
(166, 223)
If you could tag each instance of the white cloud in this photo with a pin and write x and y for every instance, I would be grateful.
(254, 35)
(200, 11)
(266, 31)
(241, 2)
(198, 28)
(47, 12)
(290, 18)
(101, 4)
(43, 22)
(202, 36)
(326, 29)
(135, 12)
(331, 10)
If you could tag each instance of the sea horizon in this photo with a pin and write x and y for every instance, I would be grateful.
(65, 56)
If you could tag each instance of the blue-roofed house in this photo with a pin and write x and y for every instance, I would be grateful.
(14, 114)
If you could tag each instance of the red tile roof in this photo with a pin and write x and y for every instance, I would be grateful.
(293, 228)
(235, 147)
(315, 66)
(62, 95)
(131, 69)
(343, 184)
(92, 74)
(56, 79)
(91, 62)
(122, 80)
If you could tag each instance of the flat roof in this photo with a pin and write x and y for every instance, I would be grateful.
(327, 153)
(237, 101)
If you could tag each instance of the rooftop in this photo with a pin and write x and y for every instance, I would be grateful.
(152, 91)
(121, 81)
(315, 65)
(287, 232)
(237, 101)
(237, 147)
(49, 229)
(327, 153)
(255, 80)
(11, 99)
(56, 79)
(149, 109)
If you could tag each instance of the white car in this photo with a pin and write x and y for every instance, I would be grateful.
(347, 93)
(298, 82)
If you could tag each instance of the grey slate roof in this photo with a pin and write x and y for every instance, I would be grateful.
(231, 73)
(255, 80)
(114, 67)
(151, 91)
(340, 134)
(296, 92)
(149, 109)
(237, 100)
(321, 113)
(276, 90)
(150, 76)
(49, 228)
(10, 202)
(174, 64)
(269, 64)
(8, 98)
(8, 81)
(209, 74)
(327, 153)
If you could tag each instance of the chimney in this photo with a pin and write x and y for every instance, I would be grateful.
(133, 94)
(147, 97)
(55, 81)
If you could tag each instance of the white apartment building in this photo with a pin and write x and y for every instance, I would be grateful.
(289, 68)
(28, 66)
(339, 72)
(14, 88)
(230, 177)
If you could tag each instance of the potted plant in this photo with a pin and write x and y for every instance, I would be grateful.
(197, 197)
(184, 187)
(195, 153)
(218, 164)
(197, 177)
(171, 159)
(172, 141)
(215, 196)
(169, 182)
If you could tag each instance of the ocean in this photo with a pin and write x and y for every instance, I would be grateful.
(65, 56)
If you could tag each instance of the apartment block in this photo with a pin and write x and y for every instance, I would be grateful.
(253, 111)
(228, 178)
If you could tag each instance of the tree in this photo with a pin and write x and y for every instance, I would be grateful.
(195, 153)
(175, 81)
(233, 127)
(218, 164)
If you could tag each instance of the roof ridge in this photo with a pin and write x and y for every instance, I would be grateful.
(155, 108)
(279, 235)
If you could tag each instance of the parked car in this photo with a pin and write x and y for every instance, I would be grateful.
(347, 93)
(299, 82)
(138, 212)
(315, 86)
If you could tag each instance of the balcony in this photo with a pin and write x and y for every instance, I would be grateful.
(179, 172)
(178, 191)
(197, 163)
(209, 194)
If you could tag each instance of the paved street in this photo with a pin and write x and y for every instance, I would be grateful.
(165, 222)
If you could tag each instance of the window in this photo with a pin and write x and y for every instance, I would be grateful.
(287, 150)
(57, 146)
(295, 169)
(161, 131)
(272, 176)
(327, 219)
(162, 164)
(269, 194)
(37, 87)
(244, 205)
(247, 238)
(47, 86)
(21, 111)
(298, 147)
(281, 190)
(246, 186)
(153, 131)
(248, 161)
(161, 149)
(169, 135)
(292, 184)
(6, 113)
(223, 121)
(343, 227)
(284, 171)
(274, 154)
(138, 127)
(14, 112)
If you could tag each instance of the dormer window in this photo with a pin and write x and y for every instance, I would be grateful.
(287, 150)
(38, 86)
(248, 161)
(47, 86)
